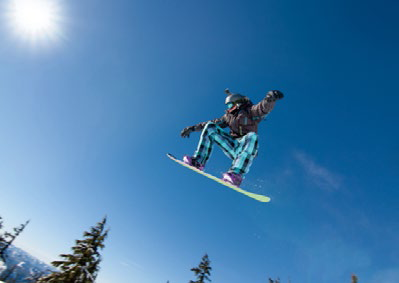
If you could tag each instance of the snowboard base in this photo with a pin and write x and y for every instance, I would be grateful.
(257, 197)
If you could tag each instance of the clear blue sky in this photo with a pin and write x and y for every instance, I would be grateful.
(86, 120)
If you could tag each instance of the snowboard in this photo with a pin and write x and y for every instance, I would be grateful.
(257, 197)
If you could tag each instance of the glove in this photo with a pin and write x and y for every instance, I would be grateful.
(187, 131)
(274, 95)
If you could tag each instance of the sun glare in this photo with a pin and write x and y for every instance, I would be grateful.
(35, 20)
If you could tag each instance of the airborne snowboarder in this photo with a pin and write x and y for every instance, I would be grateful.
(241, 144)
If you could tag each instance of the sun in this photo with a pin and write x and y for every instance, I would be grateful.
(35, 20)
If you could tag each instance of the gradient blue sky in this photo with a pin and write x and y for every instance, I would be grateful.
(86, 121)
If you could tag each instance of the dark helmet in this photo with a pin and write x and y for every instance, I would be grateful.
(235, 99)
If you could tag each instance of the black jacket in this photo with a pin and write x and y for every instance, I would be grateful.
(244, 120)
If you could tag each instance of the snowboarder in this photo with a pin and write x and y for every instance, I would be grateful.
(241, 144)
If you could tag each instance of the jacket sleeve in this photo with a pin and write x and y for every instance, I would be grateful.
(263, 107)
(221, 122)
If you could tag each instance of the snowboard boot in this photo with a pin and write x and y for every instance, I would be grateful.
(233, 178)
(189, 160)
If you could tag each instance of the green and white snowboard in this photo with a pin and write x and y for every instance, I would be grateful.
(257, 197)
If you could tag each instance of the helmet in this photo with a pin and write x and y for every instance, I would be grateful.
(234, 99)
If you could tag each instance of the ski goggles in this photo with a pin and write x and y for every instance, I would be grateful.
(229, 105)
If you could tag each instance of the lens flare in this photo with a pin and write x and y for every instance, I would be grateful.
(35, 20)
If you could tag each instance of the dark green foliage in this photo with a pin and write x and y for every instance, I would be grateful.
(1, 235)
(7, 238)
(83, 265)
(203, 271)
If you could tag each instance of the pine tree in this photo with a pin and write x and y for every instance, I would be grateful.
(2, 240)
(7, 239)
(203, 271)
(84, 264)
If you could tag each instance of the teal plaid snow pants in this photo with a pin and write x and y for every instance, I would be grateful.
(242, 150)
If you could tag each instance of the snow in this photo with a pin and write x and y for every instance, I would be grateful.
(2, 267)
(25, 265)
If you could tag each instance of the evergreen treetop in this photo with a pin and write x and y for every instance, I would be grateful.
(203, 271)
(83, 265)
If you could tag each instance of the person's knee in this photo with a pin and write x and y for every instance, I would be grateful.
(210, 127)
(252, 136)
(210, 124)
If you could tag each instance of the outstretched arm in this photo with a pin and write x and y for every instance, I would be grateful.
(267, 104)
(198, 127)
